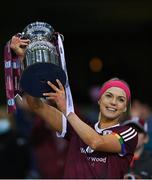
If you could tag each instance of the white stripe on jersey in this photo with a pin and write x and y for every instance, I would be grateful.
(128, 134)
(131, 137)
(126, 131)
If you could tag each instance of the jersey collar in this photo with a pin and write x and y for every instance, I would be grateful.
(99, 130)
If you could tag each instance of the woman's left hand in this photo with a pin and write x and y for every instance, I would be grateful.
(58, 96)
(19, 45)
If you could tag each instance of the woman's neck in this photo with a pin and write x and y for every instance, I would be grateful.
(107, 123)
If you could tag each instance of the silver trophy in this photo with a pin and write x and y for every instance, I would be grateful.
(42, 60)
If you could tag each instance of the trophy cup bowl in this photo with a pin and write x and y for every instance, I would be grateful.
(42, 61)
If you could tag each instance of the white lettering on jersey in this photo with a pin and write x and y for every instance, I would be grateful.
(95, 159)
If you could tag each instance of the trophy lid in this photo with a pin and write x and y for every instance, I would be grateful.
(38, 30)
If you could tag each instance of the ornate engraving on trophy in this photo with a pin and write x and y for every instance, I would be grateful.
(40, 48)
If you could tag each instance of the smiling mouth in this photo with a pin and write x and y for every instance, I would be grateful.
(111, 109)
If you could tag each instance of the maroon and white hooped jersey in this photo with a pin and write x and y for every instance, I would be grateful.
(84, 163)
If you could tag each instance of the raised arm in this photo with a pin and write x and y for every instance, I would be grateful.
(36, 105)
(48, 113)
(107, 143)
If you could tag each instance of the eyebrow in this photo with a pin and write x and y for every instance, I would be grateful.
(118, 96)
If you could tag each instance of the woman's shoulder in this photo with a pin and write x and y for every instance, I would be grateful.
(123, 127)
(126, 131)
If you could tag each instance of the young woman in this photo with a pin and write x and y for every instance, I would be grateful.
(101, 150)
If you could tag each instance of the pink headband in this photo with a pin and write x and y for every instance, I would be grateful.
(115, 83)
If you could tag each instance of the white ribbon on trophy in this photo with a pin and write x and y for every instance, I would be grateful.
(69, 105)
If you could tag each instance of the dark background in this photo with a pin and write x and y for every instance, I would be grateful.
(118, 32)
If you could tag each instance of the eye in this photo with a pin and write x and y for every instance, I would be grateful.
(108, 95)
(122, 100)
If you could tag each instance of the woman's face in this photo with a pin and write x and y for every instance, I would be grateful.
(113, 103)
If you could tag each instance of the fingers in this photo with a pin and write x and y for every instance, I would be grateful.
(17, 40)
(58, 97)
(60, 85)
(23, 43)
(26, 41)
(50, 95)
(58, 90)
(55, 88)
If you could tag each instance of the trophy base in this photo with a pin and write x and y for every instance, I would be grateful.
(34, 78)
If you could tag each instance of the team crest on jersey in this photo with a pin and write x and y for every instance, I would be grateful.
(105, 132)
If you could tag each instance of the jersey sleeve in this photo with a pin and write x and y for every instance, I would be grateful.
(67, 130)
(64, 127)
(128, 139)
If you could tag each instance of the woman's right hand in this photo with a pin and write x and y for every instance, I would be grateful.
(58, 96)
(18, 45)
